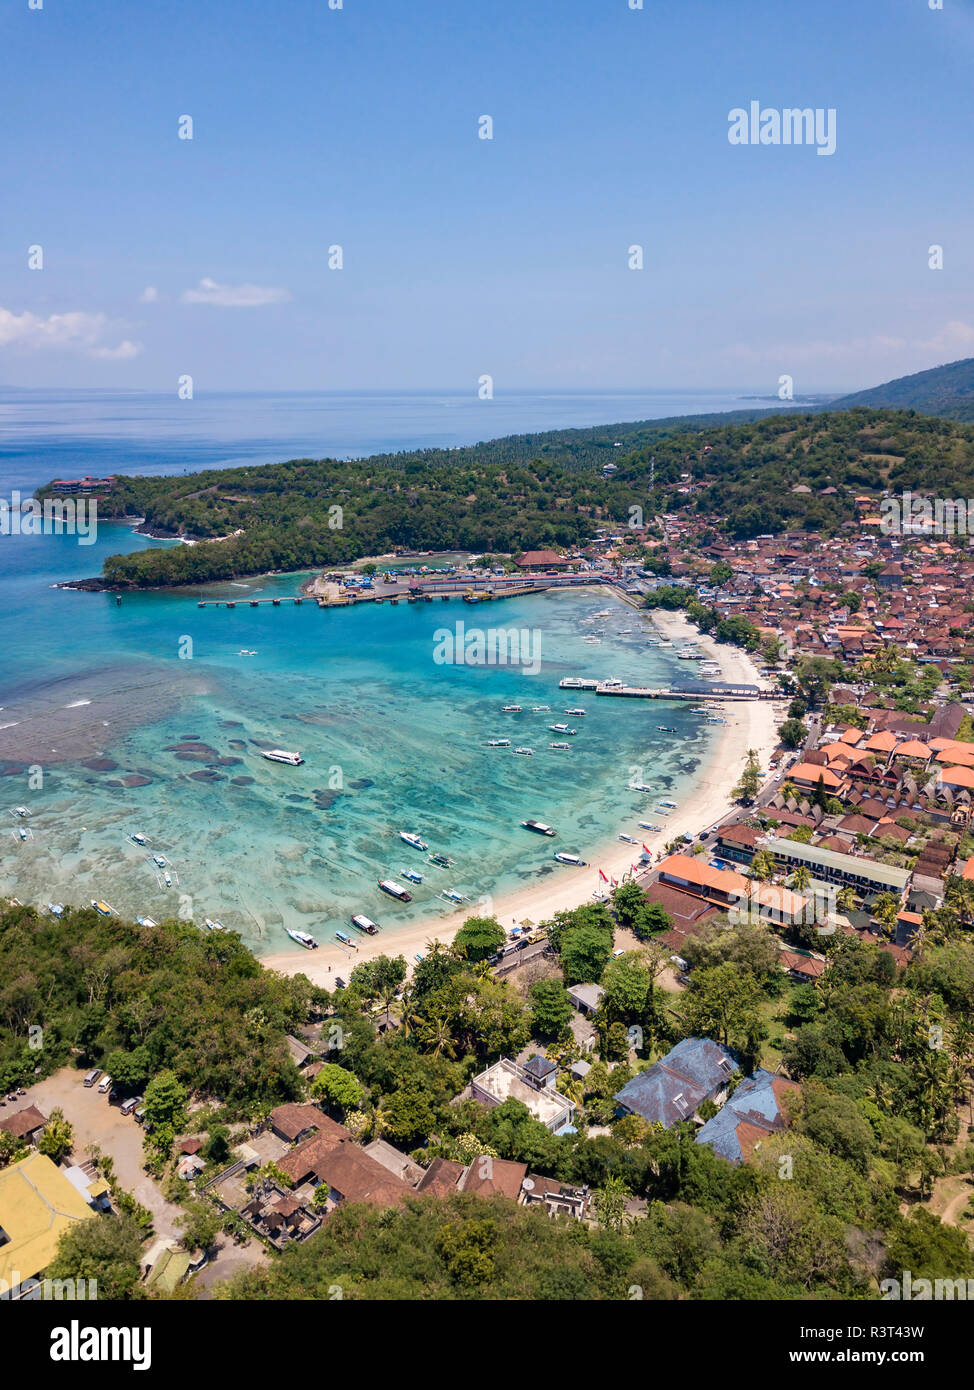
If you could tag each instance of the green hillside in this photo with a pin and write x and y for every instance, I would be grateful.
(306, 513)
(947, 390)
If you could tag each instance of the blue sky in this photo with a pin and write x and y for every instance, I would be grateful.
(358, 127)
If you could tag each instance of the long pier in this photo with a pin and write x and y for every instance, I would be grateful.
(247, 602)
(719, 691)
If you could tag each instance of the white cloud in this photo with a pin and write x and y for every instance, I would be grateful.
(75, 332)
(954, 338)
(234, 296)
(150, 295)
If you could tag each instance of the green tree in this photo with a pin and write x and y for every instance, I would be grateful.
(103, 1248)
(792, 733)
(165, 1101)
(479, 938)
(750, 780)
(551, 1009)
(58, 1136)
(584, 953)
(337, 1087)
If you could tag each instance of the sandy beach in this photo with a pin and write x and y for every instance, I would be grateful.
(752, 725)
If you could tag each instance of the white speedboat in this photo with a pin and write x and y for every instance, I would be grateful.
(572, 859)
(574, 711)
(414, 840)
(212, 924)
(280, 755)
(498, 743)
(303, 939)
(561, 729)
(511, 709)
(560, 747)
(670, 804)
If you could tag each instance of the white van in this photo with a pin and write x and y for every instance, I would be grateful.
(92, 1076)
(105, 1084)
(129, 1105)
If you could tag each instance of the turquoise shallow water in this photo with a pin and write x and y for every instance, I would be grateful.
(391, 740)
(96, 697)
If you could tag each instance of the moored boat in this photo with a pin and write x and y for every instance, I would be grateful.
(414, 840)
(560, 747)
(413, 875)
(303, 939)
(280, 755)
(361, 923)
(138, 838)
(525, 752)
(345, 939)
(573, 859)
(395, 890)
(498, 743)
(538, 827)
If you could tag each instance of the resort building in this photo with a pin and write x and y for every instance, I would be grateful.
(754, 1111)
(37, 1203)
(845, 870)
(505, 1080)
(674, 1088)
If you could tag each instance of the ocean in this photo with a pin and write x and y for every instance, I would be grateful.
(147, 717)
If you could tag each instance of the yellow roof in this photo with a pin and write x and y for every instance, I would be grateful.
(37, 1203)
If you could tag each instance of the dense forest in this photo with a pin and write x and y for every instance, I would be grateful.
(306, 513)
(136, 1000)
(947, 390)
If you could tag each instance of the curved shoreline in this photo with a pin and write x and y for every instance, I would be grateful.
(752, 725)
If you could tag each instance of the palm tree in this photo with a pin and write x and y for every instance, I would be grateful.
(762, 866)
(846, 899)
(436, 1035)
(801, 878)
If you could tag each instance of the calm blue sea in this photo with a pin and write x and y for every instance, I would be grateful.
(146, 716)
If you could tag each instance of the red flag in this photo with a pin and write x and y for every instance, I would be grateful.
(615, 883)
(602, 876)
(647, 848)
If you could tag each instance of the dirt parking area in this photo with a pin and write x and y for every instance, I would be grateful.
(118, 1136)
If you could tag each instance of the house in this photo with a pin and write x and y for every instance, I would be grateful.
(542, 560)
(505, 1080)
(37, 1204)
(585, 998)
(27, 1124)
(674, 1088)
(296, 1122)
(556, 1197)
(754, 1111)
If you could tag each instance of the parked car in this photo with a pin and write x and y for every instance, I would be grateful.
(93, 1076)
(129, 1105)
(105, 1084)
